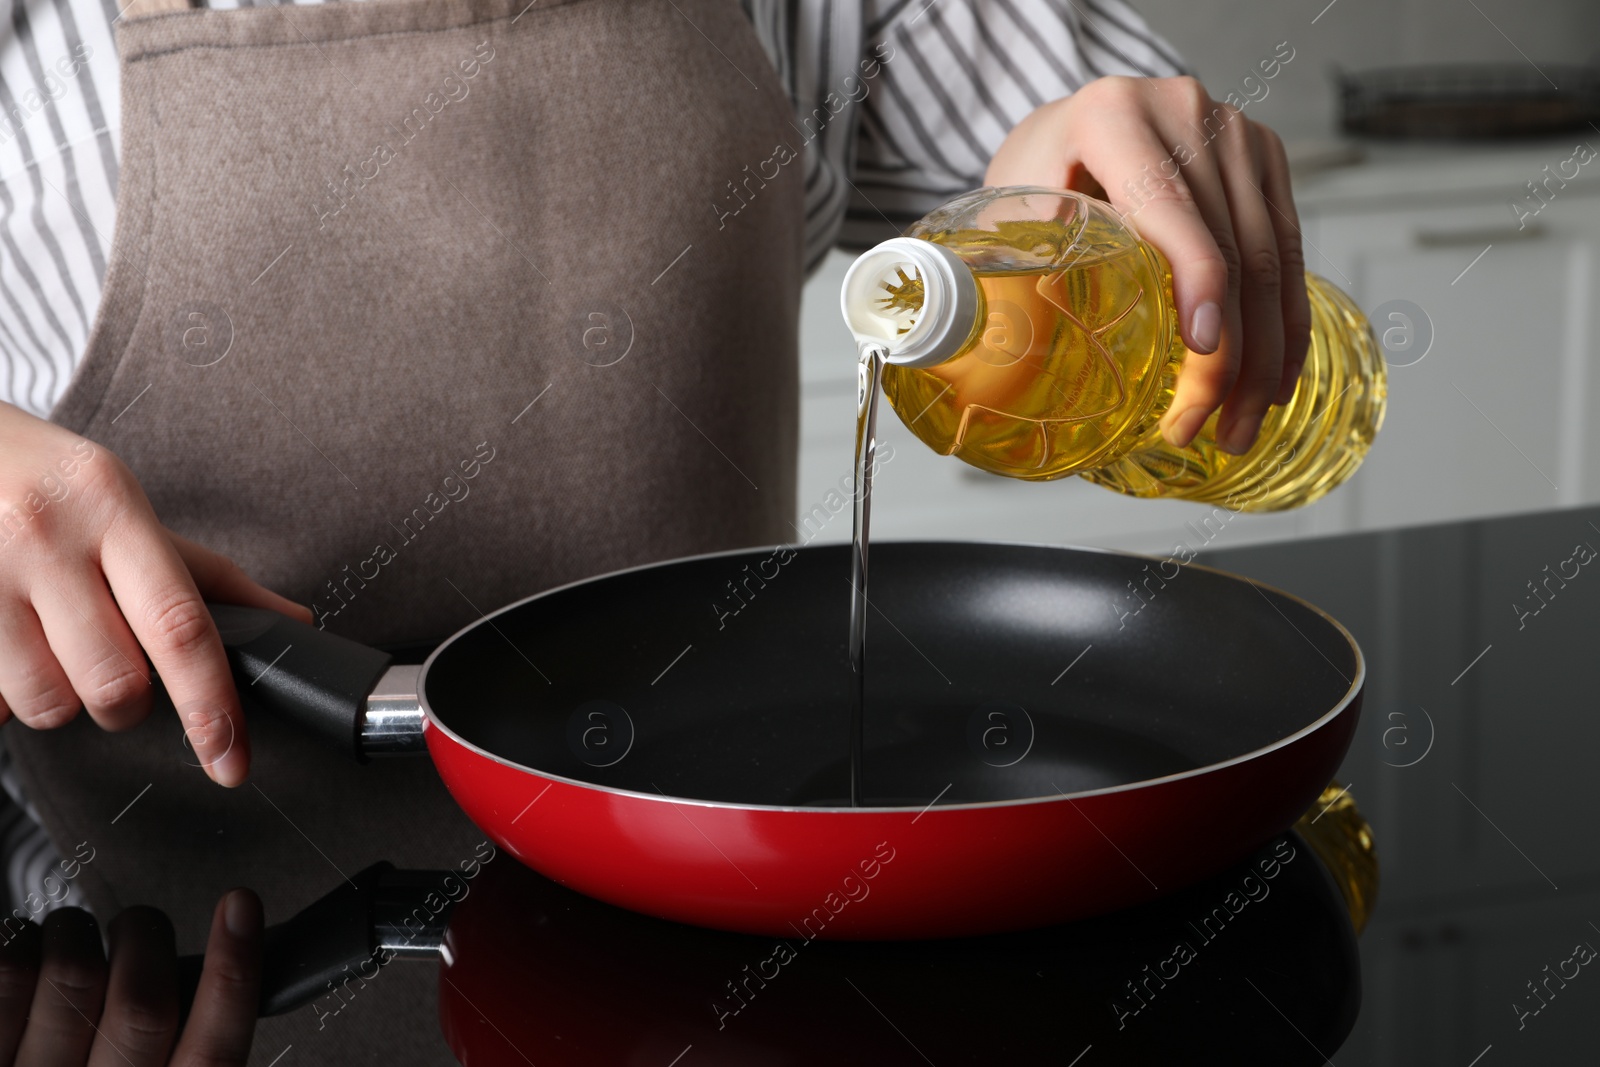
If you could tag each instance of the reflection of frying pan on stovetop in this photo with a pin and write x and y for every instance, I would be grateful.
(534, 973)
(1051, 733)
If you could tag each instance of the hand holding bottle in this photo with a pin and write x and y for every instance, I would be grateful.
(1031, 333)
(1210, 189)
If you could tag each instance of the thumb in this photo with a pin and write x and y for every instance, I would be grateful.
(221, 579)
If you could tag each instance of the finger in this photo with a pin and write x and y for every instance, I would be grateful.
(223, 1019)
(70, 993)
(19, 973)
(1194, 230)
(1291, 258)
(159, 599)
(92, 642)
(1260, 293)
(1111, 146)
(1148, 187)
(141, 1014)
(221, 579)
(32, 683)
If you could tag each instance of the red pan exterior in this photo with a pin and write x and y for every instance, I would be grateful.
(883, 874)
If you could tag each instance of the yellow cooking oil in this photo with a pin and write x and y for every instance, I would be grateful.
(1071, 356)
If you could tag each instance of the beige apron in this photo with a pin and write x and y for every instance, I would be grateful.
(416, 307)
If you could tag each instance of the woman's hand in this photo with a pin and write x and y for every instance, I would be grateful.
(90, 581)
(63, 1005)
(1210, 189)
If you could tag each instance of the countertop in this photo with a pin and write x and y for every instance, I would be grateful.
(1475, 766)
(1337, 173)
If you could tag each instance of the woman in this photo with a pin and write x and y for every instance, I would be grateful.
(417, 306)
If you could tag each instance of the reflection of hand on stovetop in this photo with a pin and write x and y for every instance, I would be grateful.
(64, 1001)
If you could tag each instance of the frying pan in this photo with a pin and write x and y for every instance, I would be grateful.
(1051, 733)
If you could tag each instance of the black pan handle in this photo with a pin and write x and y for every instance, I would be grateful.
(375, 917)
(309, 676)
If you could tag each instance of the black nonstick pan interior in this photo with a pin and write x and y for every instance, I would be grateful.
(995, 672)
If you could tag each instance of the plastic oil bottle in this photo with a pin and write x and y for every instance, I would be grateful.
(1031, 333)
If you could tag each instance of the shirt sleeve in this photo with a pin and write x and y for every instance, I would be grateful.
(954, 76)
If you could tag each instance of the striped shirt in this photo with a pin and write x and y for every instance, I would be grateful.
(899, 104)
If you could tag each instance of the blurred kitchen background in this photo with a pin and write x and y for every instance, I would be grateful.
(1492, 419)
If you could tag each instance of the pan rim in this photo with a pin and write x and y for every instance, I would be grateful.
(1353, 691)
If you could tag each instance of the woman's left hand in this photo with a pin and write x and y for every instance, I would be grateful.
(62, 1004)
(1210, 189)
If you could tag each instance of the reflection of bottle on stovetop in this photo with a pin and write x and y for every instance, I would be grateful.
(1032, 334)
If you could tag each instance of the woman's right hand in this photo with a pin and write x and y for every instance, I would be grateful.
(90, 581)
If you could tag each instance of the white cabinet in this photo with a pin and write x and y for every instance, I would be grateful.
(1494, 419)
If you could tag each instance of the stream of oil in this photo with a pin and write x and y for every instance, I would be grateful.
(869, 377)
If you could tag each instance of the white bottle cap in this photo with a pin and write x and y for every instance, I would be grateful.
(921, 337)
